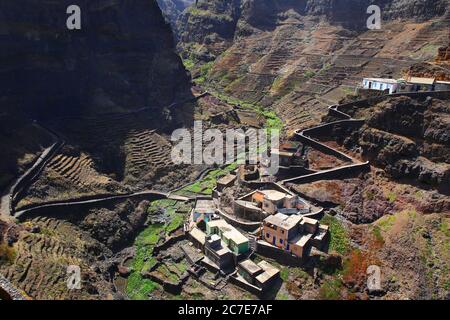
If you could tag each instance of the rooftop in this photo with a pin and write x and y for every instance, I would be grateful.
(282, 153)
(229, 231)
(235, 236)
(269, 272)
(251, 267)
(226, 179)
(283, 221)
(198, 235)
(384, 80)
(419, 80)
(219, 223)
(302, 240)
(273, 195)
(247, 204)
(310, 221)
(205, 206)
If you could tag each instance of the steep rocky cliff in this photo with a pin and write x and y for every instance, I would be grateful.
(121, 59)
(411, 139)
(172, 9)
(109, 91)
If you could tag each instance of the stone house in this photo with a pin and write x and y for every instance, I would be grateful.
(261, 275)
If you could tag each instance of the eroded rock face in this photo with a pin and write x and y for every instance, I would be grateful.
(172, 9)
(209, 22)
(409, 138)
(122, 57)
(216, 21)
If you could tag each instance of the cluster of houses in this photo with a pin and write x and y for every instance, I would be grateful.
(227, 249)
(284, 226)
(410, 84)
(259, 204)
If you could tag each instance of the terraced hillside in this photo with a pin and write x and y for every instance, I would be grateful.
(299, 57)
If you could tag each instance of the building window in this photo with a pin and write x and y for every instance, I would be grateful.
(282, 231)
(281, 241)
(267, 235)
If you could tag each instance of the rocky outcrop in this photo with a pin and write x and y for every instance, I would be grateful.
(172, 9)
(443, 55)
(210, 23)
(408, 138)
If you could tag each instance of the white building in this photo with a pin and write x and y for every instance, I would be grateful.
(380, 84)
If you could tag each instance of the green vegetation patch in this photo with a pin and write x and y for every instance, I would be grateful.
(175, 223)
(208, 183)
(340, 240)
(392, 197)
(284, 274)
(204, 71)
(139, 288)
(330, 289)
(385, 223)
(272, 120)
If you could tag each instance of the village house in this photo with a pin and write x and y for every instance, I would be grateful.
(258, 204)
(421, 84)
(294, 234)
(285, 157)
(229, 235)
(219, 254)
(261, 275)
(204, 210)
(380, 84)
(410, 84)
(442, 85)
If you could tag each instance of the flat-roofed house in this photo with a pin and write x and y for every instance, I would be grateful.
(271, 200)
(422, 84)
(442, 85)
(262, 275)
(249, 270)
(268, 277)
(285, 157)
(309, 225)
(204, 210)
(380, 84)
(231, 237)
(197, 237)
(294, 234)
(218, 253)
(279, 229)
(300, 244)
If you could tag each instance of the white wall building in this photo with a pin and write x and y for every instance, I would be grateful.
(380, 84)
